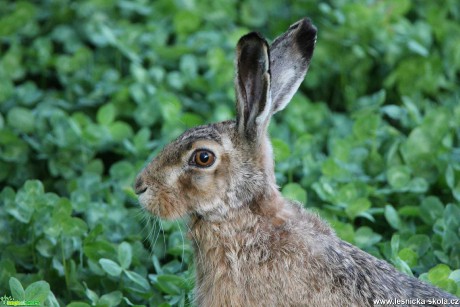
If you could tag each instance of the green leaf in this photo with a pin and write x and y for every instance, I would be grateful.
(456, 192)
(402, 266)
(156, 264)
(51, 300)
(172, 284)
(38, 291)
(106, 114)
(332, 169)
(252, 15)
(357, 207)
(91, 295)
(418, 144)
(455, 276)
(366, 125)
(281, 150)
(34, 187)
(418, 185)
(344, 231)
(452, 217)
(139, 72)
(45, 247)
(394, 244)
(17, 291)
(365, 237)
(125, 254)
(138, 280)
(439, 273)
(295, 192)
(417, 48)
(408, 256)
(450, 177)
(409, 211)
(110, 267)
(447, 285)
(392, 217)
(21, 119)
(431, 209)
(419, 243)
(74, 227)
(98, 249)
(111, 299)
(120, 131)
(398, 176)
(191, 120)
(189, 66)
(170, 106)
(186, 22)
(122, 170)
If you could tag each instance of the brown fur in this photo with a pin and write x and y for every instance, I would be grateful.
(252, 246)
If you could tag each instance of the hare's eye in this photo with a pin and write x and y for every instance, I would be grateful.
(203, 158)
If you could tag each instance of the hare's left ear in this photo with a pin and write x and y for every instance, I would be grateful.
(290, 56)
(252, 85)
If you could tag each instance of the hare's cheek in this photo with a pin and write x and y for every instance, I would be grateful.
(205, 185)
(190, 185)
(170, 205)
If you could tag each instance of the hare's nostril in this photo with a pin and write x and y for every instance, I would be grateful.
(139, 186)
(140, 190)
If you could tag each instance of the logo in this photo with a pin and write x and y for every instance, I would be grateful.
(10, 301)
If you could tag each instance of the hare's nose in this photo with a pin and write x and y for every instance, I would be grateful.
(139, 186)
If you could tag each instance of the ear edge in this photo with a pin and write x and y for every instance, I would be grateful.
(252, 36)
(305, 33)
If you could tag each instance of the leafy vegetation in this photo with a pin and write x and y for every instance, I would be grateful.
(90, 90)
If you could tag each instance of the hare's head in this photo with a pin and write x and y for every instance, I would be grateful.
(210, 170)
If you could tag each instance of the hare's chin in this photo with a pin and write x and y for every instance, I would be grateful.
(144, 200)
(148, 203)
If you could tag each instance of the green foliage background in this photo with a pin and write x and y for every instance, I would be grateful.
(92, 89)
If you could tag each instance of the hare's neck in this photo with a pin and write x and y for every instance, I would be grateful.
(219, 245)
(240, 225)
(268, 162)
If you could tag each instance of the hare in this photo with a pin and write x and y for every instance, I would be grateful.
(252, 246)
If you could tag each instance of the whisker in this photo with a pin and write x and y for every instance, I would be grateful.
(164, 237)
(183, 244)
(156, 221)
(193, 237)
(151, 221)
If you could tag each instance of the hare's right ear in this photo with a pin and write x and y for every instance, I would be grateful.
(252, 84)
(290, 56)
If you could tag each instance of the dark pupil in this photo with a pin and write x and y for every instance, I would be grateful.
(204, 157)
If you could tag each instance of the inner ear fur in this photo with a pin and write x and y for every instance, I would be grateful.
(252, 84)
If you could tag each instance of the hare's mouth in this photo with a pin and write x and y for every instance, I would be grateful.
(149, 203)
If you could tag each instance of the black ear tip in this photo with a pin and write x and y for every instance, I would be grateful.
(305, 29)
(252, 38)
(252, 45)
(305, 36)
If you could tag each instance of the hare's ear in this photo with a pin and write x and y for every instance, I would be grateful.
(290, 56)
(252, 84)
